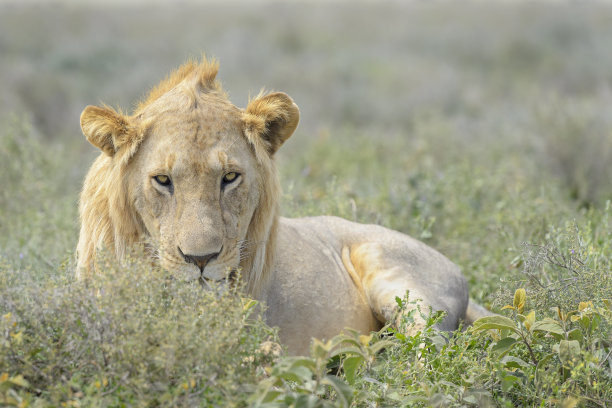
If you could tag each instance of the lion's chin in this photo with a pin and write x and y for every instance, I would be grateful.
(185, 274)
(220, 286)
(213, 277)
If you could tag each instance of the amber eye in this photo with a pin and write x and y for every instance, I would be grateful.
(163, 180)
(230, 177)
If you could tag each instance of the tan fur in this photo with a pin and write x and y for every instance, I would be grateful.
(317, 275)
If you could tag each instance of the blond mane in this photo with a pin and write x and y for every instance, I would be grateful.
(205, 73)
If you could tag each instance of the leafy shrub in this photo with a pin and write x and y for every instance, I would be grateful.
(551, 360)
(521, 360)
(133, 336)
(572, 262)
(309, 381)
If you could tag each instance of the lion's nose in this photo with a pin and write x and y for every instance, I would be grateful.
(199, 260)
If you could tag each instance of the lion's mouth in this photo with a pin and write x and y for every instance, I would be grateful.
(209, 283)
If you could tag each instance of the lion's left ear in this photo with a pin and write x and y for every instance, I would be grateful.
(270, 120)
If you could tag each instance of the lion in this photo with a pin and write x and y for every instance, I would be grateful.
(194, 176)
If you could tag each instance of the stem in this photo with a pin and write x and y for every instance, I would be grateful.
(605, 359)
(533, 357)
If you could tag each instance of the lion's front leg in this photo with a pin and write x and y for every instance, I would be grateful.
(381, 280)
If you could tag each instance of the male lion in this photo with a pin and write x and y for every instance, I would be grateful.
(195, 175)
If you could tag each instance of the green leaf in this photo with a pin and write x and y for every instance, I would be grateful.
(306, 401)
(448, 384)
(300, 371)
(348, 340)
(568, 350)
(494, 322)
(508, 382)
(379, 345)
(270, 396)
(544, 360)
(399, 301)
(291, 376)
(304, 362)
(514, 362)
(575, 334)
(395, 396)
(343, 390)
(548, 325)
(504, 345)
(439, 342)
(349, 351)
(351, 365)
(585, 322)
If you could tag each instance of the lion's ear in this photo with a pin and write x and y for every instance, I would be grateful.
(270, 120)
(105, 128)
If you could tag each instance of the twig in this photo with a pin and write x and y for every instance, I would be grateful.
(605, 359)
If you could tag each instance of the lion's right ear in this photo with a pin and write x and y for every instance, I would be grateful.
(105, 128)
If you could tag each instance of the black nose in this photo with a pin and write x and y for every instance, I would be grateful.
(199, 260)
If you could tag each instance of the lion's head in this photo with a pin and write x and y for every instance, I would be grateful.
(189, 172)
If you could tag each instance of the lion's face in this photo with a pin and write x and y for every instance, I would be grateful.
(196, 187)
(189, 172)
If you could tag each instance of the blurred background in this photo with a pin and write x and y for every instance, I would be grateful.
(472, 125)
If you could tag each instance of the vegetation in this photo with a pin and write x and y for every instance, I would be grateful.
(483, 129)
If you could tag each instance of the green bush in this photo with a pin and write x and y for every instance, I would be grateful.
(551, 360)
(132, 336)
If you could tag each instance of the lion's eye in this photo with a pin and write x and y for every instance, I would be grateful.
(163, 180)
(230, 177)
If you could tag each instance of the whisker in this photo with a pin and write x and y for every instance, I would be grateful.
(248, 248)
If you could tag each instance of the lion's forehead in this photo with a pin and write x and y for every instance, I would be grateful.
(196, 129)
(195, 152)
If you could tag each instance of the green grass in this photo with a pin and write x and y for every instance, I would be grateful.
(482, 129)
